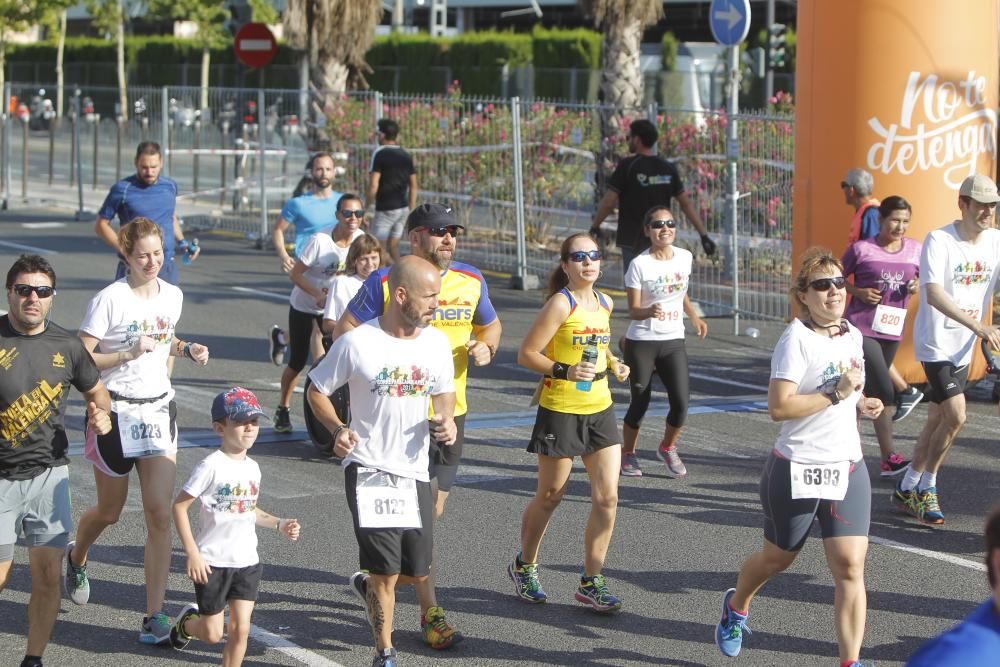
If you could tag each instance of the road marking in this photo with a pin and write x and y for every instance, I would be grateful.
(292, 650)
(29, 248)
(42, 225)
(947, 558)
(734, 383)
(261, 292)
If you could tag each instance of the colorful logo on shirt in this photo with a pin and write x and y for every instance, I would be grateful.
(58, 361)
(452, 312)
(581, 336)
(160, 330)
(237, 499)
(20, 419)
(972, 273)
(831, 374)
(661, 179)
(7, 358)
(667, 284)
(890, 281)
(401, 383)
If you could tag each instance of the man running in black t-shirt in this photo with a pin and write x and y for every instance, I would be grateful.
(392, 187)
(640, 182)
(39, 362)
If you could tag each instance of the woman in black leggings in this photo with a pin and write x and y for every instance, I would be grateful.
(657, 284)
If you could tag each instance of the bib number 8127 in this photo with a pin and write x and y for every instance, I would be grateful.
(394, 506)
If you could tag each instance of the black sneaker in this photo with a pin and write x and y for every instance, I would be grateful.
(359, 586)
(282, 420)
(278, 345)
(385, 658)
(905, 402)
(178, 638)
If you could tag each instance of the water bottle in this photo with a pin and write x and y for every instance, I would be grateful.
(189, 252)
(590, 355)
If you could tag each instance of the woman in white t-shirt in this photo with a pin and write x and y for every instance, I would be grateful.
(657, 285)
(815, 470)
(323, 258)
(129, 329)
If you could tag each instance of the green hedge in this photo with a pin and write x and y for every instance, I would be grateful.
(415, 55)
(579, 49)
(476, 59)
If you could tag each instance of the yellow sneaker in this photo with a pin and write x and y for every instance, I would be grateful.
(437, 632)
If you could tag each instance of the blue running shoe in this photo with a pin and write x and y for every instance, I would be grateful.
(594, 592)
(525, 578)
(930, 508)
(729, 631)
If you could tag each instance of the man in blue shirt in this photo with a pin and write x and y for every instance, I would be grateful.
(975, 642)
(310, 213)
(146, 194)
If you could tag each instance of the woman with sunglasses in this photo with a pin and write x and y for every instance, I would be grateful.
(815, 470)
(323, 257)
(657, 286)
(575, 418)
(885, 270)
(129, 330)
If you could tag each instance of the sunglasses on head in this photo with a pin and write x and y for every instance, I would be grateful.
(824, 284)
(357, 213)
(43, 291)
(660, 224)
(580, 255)
(441, 231)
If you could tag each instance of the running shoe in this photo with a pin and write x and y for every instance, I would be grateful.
(282, 420)
(906, 400)
(594, 591)
(930, 509)
(673, 460)
(729, 632)
(155, 629)
(75, 583)
(907, 501)
(278, 345)
(359, 586)
(178, 638)
(894, 466)
(385, 658)
(525, 578)
(630, 465)
(438, 633)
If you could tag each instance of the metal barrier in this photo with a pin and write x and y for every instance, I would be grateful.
(522, 175)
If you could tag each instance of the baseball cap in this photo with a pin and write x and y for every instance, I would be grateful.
(432, 215)
(237, 404)
(980, 188)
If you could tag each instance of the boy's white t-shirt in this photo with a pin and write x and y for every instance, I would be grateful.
(391, 381)
(228, 489)
(341, 292)
(117, 318)
(968, 273)
(815, 362)
(663, 281)
(325, 260)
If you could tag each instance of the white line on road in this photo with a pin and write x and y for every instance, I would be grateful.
(29, 248)
(42, 225)
(282, 645)
(735, 383)
(947, 558)
(260, 292)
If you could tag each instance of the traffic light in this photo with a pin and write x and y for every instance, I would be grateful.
(776, 46)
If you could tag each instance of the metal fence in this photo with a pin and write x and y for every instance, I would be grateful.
(521, 174)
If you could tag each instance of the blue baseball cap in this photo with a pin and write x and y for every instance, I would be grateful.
(236, 404)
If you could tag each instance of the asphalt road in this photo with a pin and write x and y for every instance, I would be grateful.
(678, 543)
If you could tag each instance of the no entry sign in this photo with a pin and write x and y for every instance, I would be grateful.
(255, 46)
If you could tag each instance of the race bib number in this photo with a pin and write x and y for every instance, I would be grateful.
(972, 310)
(668, 319)
(386, 500)
(889, 320)
(827, 481)
(144, 428)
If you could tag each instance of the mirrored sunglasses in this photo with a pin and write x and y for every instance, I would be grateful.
(580, 255)
(824, 284)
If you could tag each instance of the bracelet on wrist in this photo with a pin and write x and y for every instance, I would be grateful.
(187, 350)
(277, 526)
(336, 432)
(560, 371)
(179, 348)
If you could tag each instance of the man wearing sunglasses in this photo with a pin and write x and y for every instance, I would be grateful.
(39, 362)
(467, 317)
(640, 182)
(958, 272)
(392, 187)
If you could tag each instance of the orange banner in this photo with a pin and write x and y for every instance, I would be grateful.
(906, 91)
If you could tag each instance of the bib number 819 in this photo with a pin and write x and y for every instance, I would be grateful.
(820, 477)
(144, 431)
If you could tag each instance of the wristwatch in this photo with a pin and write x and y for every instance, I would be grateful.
(832, 394)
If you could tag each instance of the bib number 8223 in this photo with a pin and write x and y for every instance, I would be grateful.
(144, 431)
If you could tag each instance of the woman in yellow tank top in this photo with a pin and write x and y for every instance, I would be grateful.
(575, 418)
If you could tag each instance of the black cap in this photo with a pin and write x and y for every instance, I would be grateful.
(432, 215)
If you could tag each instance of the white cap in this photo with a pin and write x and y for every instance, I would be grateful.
(980, 188)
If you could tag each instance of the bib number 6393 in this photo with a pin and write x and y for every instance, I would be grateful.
(827, 481)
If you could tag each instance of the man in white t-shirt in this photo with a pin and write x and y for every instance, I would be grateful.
(958, 272)
(393, 366)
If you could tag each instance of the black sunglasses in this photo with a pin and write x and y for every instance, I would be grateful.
(580, 255)
(359, 213)
(441, 231)
(824, 284)
(660, 224)
(43, 291)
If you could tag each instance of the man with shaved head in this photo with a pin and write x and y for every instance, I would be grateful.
(396, 367)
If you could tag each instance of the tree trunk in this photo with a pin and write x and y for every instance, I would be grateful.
(3, 65)
(122, 83)
(60, 75)
(621, 89)
(206, 61)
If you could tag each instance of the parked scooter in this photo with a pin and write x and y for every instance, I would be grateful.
(42, 111)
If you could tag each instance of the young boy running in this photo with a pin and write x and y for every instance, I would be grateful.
(223, 561)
